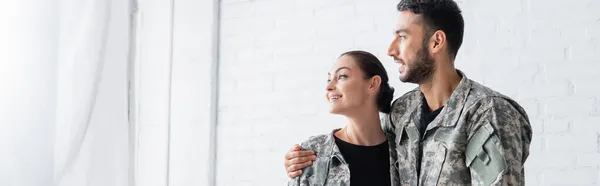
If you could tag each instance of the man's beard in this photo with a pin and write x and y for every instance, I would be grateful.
(421, 69)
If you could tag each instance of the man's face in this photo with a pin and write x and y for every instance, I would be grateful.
(410, 49)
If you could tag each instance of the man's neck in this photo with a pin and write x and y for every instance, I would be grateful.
(439, 88)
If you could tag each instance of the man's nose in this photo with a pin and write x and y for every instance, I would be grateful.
(393, 49)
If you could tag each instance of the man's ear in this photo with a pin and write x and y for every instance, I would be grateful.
(437, 41)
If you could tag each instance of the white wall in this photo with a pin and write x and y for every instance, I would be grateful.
(274, 56)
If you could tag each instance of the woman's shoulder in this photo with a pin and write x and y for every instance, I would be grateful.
(321, 144)
(316, 173)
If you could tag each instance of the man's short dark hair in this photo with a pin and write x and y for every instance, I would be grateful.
(441, 15)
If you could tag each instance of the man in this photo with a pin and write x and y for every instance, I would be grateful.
(451, 130)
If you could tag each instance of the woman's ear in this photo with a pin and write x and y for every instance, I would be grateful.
(375, 83)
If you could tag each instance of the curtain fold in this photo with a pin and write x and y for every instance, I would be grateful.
(91, 144)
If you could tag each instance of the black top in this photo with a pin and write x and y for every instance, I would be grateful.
(369, 165)
(427, 116)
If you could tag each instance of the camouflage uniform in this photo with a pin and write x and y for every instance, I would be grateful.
(480, 137)
(330, 168)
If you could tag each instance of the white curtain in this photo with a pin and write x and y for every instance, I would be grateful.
(83, 37)
(64, 93)
(27, 91)
(91, 144)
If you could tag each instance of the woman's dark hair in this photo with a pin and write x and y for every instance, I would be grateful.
(371, 66)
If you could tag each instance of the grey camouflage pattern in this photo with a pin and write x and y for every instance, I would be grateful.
(330, 168)
(492, 128)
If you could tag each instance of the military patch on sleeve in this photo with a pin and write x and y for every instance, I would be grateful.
(484, 156)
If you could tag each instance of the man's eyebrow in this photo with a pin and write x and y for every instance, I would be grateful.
(402, 30)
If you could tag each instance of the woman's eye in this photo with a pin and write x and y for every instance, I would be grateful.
(342, 77)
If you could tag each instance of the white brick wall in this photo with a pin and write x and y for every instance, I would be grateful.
(274, 55)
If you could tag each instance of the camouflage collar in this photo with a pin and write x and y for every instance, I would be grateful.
(333, 151)
(451, 111)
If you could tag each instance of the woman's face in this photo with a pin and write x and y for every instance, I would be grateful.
(347, 89)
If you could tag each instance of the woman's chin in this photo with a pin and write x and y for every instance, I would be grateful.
(334, 111)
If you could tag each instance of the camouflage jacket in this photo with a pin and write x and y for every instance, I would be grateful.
(480, 137)
(330, 168)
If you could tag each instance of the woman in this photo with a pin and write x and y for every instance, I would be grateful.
(357, 154)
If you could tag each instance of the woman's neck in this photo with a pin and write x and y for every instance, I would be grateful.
(363, 129)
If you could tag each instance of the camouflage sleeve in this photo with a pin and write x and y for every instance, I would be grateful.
(499, 139)
(388, 127)
(298, 181)
(303, 179)
(314, 143)
(389, 131)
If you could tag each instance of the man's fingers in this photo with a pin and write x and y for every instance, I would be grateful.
(296, 167)
(304, 153)
(294, 174)
(308, 163)
(300, 160)
(296, 154)
(296, 147)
